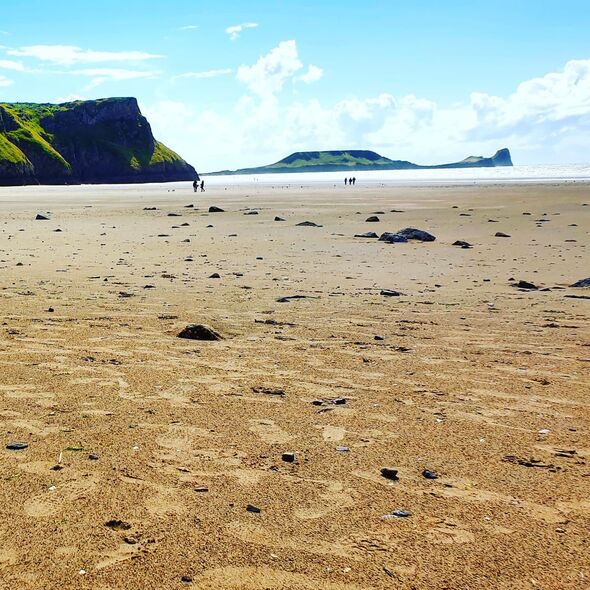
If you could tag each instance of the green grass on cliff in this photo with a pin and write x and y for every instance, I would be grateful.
(328, 159)
(10, 153)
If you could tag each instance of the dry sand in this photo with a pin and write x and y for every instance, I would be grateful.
(469, 374)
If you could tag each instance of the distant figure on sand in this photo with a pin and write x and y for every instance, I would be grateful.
(345, 181)
(202, 186)
(350, 181)
(354, 180)
(196, 183)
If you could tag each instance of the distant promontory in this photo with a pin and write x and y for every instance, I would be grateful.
(93, 141)
(359, 160)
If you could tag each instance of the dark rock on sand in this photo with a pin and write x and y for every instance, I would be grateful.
(41, 217)
(215, 275)
(277, 218)
(372, 219)
(369, 234)
(582, 283)
(526, 285)
(411, 233)
(288, 457)
(308, 224)
(390, 293)
(462, 244)
(199, 332)
(392, 238)
(500, 234)
(16, 446)
(214, 209)
(429, 474)
(389, 473)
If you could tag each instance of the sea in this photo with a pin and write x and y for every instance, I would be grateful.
(500, 175)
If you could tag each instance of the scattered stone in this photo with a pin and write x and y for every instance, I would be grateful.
(292, 297)
(526, 285)
(270, 390)
(117, 525)
(398, 514)
(16, 446)
(50, 310)
(41, 217)
(253, 509)
(500, 234)
(390, 293)
(462, 244)
(308, 224)
(251, 213)
(582, 283)
(339, 401)
(378, 338)
(277, 218)
(288, 457)
(130, 540)
(214, 209)
(411, 233)
(389, 473)
(342, 449)
(215, 275)
(201, 489)
(191, 206)
(93, 457)
(392, 238)
(372, 219)
(199, 332)
(429, 474)
(174, 215)
(369, 234)
(186, 580)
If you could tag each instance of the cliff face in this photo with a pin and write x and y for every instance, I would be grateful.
(98, 141)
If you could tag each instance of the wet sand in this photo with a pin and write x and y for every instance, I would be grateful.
(144, 449)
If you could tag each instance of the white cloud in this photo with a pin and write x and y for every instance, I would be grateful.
(235, 30)
(101, 75)
(545, 119)
(313, 74)
(5, 81)
(7, 64)
(206, 74)
(268, 75)
(71, 54)
(188, 28)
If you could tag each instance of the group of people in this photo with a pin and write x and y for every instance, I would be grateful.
(350, 181)
(196, 184)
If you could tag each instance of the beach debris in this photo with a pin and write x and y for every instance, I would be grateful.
(369, 234)
(174, 215)
(544, 431)
(338, 401)
(186, 580)
(372, 219)
(582, 283)
(428, 474)
(389, 473)
(16, 446)
(253, 509)
(117, 525)
(526, 286)
(377, 337)
(392, 238)
(270, 390)
(215, 275)
(251, 213)
(501, 234)
(199, 332)
(529, 462)
(288, 457)
(309, 224)
(343, 449)
(462, 244)
(42, 217)
(214, 209)
(277, 218)
(93, 457)
(397, 514)
(390, 293)
(201, 489)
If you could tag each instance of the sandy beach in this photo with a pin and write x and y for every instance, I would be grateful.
(156, 462)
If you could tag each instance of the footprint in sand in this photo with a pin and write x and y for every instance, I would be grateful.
(333, 498)
(122, 553)
(269, 432)
(53, 502)
(333, 433)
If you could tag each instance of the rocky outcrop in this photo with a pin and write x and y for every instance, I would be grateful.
(97, 141)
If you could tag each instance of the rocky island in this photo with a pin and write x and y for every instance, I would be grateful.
(349, 160)
(94, 141)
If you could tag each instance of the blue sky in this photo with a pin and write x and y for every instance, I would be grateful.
(245, 83)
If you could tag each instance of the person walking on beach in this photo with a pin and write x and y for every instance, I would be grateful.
(202, 186)
(354, 180)
(350, 181)
(195, 185)
(345, 181)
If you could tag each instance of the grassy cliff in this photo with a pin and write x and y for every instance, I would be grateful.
(99, 141)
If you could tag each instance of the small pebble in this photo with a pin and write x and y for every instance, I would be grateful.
(254, 509)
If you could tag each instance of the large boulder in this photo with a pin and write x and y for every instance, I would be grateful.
(411, 233)
(392, 238)
(582, 283)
